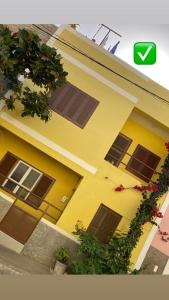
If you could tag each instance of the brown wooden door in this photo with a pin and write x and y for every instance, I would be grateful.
(18, 224)
(104, 223)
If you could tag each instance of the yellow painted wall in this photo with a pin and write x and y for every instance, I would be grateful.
(95, 190)
(93, 142)
(66, 179)
(104, 125)
(147, 103)
(113, 110)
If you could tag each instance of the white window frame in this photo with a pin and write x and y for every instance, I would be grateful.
(19, 184)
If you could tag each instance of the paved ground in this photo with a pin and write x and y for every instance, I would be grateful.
(14, 264)
(154, 262)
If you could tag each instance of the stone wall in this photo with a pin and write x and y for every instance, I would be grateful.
(44, 241)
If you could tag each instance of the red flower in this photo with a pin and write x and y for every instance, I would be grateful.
(148, 188)
(139, 188)
(159, 214)
(155, 188)
(119, 188)
(167, 146)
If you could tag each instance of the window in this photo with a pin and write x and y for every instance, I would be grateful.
(23, 180)
(104, 223)
(143, 163)
(118, 149)
(73, 104)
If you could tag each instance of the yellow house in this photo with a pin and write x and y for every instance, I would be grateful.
(106, 130)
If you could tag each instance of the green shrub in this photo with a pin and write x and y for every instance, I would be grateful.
(62, 254)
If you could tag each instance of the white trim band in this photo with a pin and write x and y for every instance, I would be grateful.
(48, 143)
(88, 70)
(10, 243)
(5, 197)
(51, 42)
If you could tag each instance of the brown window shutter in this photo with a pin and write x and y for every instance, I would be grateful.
(87, 109)
(73, 104)
(143, 163)
(104, 223)
(62, 97)
(40, 190)
(118, 149)
(7, 163)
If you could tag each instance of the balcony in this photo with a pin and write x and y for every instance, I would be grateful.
(139, 148)
(139, 165)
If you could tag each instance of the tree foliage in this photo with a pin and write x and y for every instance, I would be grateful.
(23, 56)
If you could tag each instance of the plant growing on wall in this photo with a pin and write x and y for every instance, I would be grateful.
(62, 254)
(94, 257)
(23, 56)
(114, 257)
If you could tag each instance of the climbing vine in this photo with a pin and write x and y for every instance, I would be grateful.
(24, 56)
(114, 257)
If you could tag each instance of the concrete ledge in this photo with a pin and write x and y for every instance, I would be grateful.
(5, 204)
(44, 241)
(10, 243)
(55, 227)
(6, 240)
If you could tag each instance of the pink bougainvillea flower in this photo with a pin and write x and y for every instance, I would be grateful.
(155, 188)
(139, 188)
